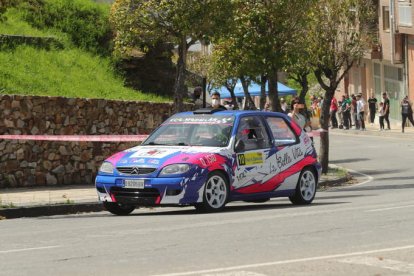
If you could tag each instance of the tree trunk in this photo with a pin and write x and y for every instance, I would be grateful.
(263, 80)
(230, 87)
(249, 101)
(233, 98)
(180, 76)
(273, 92)
(305, 87)
(324, 121)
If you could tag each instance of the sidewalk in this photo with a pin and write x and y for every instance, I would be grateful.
(374, 130)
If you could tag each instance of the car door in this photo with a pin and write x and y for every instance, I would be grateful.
(287, 152)
(252, 146)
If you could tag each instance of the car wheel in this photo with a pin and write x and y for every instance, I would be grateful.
(118, 209)
(216, 193)
(305, 189)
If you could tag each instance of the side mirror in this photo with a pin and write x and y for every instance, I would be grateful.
(239, 146)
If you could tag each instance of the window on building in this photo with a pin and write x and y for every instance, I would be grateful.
(386, 18)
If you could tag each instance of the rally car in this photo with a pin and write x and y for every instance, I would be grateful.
(208, 158)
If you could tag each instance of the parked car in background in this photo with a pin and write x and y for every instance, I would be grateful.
(208, 158)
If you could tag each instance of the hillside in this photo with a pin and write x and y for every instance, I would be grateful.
(69, 72)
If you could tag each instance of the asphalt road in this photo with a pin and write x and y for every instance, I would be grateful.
(363, 229)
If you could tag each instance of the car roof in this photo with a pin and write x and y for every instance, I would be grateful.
(236, 113)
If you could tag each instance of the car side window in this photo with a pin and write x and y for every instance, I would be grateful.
(252, 134)
(282, 133)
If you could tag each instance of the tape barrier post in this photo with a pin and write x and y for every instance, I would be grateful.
(316, 133)
(77, 138)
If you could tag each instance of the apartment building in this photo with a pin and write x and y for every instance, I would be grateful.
(389, 65)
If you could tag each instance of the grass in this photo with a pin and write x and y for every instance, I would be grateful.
(6, 205)
(70, 73)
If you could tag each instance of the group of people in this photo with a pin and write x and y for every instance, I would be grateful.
(350, 111)
(345, 113)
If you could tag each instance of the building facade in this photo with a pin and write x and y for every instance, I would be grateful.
(389, 65)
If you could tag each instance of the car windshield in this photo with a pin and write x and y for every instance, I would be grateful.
(193, 130)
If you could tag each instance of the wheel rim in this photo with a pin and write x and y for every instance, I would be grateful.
(216, 191)
(307, 185)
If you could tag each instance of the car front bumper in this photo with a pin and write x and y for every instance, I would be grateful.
(157, 191)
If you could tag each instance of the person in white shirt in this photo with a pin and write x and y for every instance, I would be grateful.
(360, 112)
(283, 105)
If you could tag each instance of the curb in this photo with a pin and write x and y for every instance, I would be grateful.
(51, 210)
(335, 182)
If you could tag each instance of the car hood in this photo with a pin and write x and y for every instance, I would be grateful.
(159, 156)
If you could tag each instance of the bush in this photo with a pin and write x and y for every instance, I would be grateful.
(86, 22)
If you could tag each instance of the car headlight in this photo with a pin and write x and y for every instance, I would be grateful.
(175, 169)
(107, 167)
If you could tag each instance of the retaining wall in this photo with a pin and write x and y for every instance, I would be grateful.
(39, 163)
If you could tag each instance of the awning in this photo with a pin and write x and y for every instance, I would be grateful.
(254, 90)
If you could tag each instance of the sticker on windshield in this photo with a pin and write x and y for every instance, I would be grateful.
(201, 120)
(251, 158)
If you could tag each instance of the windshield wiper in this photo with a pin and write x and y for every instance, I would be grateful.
(154, 144)
(182, 144)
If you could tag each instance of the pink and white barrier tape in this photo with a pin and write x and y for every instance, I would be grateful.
(77, 138)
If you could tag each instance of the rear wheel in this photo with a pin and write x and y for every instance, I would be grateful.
(306, 188)
(216, 193)
(118, 209)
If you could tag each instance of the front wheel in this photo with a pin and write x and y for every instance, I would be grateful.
(305, 189)
(216, 193)
(118, 209)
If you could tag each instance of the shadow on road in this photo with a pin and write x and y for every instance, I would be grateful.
(381, 171)
(351, 160)
(249, 207)
(373, 188)
(340, 196)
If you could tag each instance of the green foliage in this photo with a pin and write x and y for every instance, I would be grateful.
(15, 25)
(86, 22)
(67, 73)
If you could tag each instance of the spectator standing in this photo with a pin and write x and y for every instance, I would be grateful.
(340, 117)
(386, 109)
(346, 111)
(354, 112)
(381, 113)
(283, 105)
(198, 102)
(361, 112)
(406, 112)
(216, 101)
(372, 105)
(332, 112)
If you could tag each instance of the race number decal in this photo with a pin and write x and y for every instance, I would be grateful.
(251, 158)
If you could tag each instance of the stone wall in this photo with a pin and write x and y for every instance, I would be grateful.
(38, 163)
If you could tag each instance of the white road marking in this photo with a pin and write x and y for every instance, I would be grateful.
(319, 258)
(28, 249)
(236, 273)
(382, 263)
(391, 208)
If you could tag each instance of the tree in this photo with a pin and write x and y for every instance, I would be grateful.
(141, 23)
(339, 37)
(266, 31)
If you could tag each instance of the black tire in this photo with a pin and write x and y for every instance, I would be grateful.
(118, 209)
(306, 188)
(216, 193)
